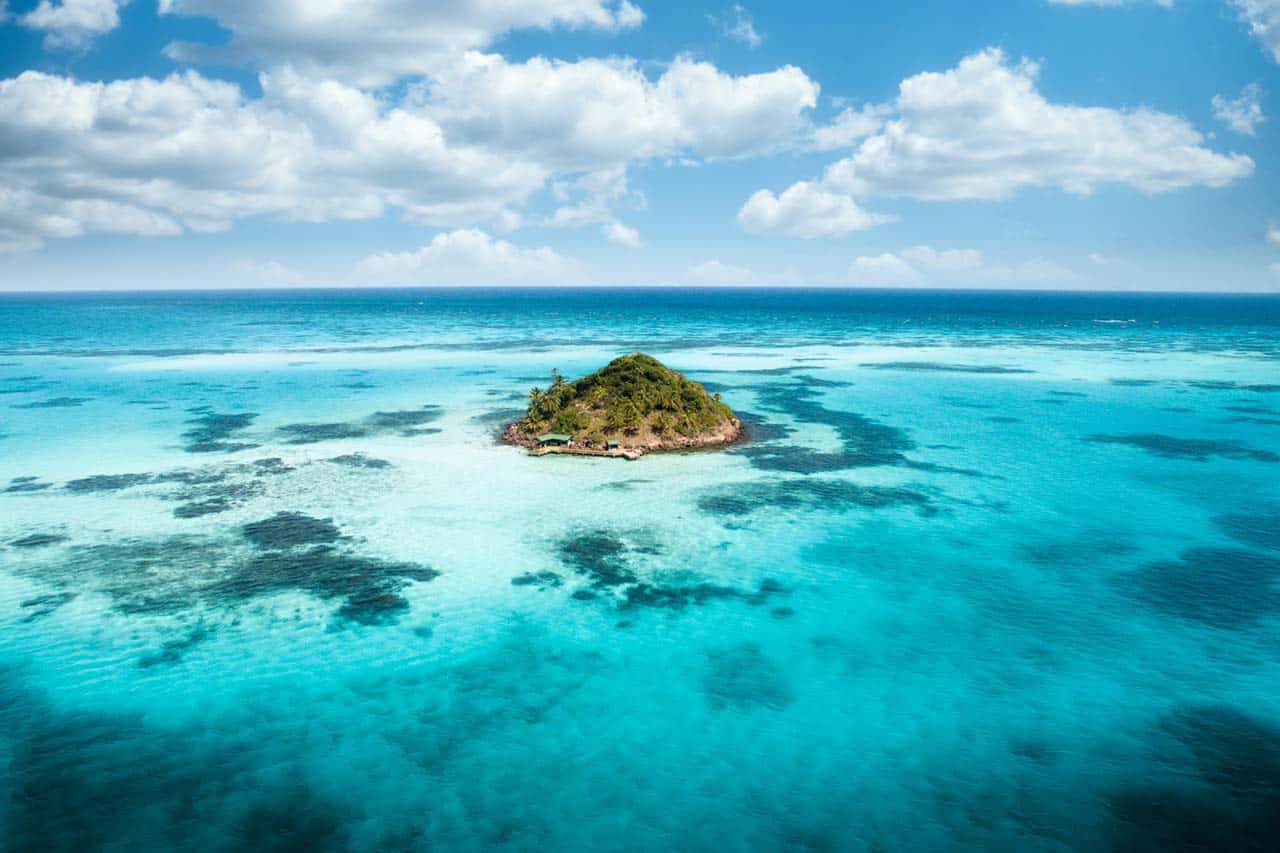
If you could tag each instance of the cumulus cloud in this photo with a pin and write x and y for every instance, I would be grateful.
(886, 269)
(1242, 114)
(591, 198)
(806, 210)
(982, 131)
(848, 127)
(157, 156)
(946, 260)
(186, 152)
(1263, 20)
(507, 221)
(593, 113)
(72, 23)
(469, 142)
(716, 273)
(1036, 272)
(937, 268)
(28, 218)
(738, 25)
(267, 272)
(622, 235)
(1273, 234)
(469, 256)
(374, 42)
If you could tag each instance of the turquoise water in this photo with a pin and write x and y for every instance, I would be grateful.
(994, 572)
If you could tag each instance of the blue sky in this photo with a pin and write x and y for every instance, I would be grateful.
(1076, 144)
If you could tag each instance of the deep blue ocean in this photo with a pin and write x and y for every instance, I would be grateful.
(994, 571)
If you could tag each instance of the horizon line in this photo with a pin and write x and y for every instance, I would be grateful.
(533, 288)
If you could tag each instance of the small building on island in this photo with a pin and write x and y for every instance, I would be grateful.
(555, 439)
(612, 445)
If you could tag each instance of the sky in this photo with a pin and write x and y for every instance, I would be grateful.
(1028, 144)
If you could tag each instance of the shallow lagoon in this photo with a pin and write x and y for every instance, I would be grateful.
(991, 574)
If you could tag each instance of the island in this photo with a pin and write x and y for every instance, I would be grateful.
(632, 406)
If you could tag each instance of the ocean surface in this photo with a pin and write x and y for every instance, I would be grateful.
(994, 571)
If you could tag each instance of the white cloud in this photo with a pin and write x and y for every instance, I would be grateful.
(716, 273)
(737, 24)
(469, 256)
(886, 269)
(945, 261)
(806, 210)
(939, 268)
(594, 113)
(470, 143)
(1037, 272)
(157, 156)
(191, 153)
(27, 218)
(507, 221)
(267, 272)
(1273, 234)
(374, 42)
(1099, 259)
(72, 23)
(849, 127)
(594, 195)
(622, 235)
(1263, 18)
(1242, 114)
(577, 216)
(983, 131)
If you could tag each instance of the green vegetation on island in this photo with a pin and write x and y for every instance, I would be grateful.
(635, 402)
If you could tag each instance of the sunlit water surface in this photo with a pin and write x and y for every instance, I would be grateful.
(993, 572)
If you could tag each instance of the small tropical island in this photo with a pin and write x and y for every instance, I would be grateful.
(632, 406)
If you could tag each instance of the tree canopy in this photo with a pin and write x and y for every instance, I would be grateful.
(631, 395)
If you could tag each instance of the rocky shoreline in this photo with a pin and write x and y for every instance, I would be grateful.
(726, 435)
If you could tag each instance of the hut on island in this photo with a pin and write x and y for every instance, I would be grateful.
(555, 439)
